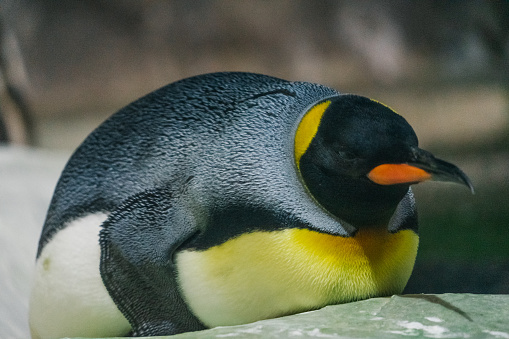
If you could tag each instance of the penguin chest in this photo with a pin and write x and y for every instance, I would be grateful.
(263, 275)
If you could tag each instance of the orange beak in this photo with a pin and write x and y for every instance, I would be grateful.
(392, 174)
(421, 167)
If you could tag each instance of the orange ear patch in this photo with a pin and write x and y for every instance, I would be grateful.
(391, 174)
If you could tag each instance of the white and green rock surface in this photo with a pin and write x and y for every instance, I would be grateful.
(417, 315)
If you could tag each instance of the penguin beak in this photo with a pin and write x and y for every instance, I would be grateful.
(421, 167)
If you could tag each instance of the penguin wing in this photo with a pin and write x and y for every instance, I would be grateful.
(405, 216)
(138, 241)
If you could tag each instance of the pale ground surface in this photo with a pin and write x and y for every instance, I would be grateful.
(27, 180)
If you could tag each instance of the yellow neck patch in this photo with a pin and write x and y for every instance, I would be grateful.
(262, 275)
(307, 129)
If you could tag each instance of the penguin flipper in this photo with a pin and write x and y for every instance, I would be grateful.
(405, 216)
(137, 243)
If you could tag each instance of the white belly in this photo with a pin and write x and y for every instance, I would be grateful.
(68, 296)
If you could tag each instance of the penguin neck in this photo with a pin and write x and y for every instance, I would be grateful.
(354, 200)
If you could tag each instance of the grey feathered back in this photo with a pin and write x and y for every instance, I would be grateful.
(232, 132)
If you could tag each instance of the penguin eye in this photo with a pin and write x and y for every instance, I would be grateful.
(347, 155)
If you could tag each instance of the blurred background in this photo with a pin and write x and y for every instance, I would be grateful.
(443, 65)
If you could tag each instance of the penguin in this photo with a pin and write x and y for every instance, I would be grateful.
(228, 198)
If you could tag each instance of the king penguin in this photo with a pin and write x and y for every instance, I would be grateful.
(227, 198)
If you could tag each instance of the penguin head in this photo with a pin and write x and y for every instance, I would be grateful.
(357, 158)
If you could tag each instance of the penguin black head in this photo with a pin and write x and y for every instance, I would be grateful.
(358, 157)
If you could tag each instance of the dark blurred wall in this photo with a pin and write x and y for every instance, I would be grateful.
(98, 53)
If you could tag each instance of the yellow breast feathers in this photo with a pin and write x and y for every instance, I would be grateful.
(267, 274)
